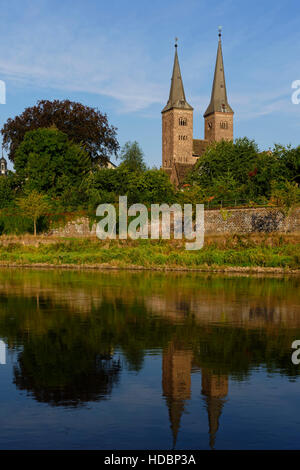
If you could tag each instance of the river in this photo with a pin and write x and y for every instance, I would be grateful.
(140, 360)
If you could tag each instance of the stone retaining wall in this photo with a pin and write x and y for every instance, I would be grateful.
(216, 222)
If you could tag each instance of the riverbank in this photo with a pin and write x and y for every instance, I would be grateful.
(260, 253)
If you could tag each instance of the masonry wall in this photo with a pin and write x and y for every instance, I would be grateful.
(217, 131)
(251, 221)
(217, 222)
(177, 139)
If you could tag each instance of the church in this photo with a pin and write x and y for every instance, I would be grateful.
(180, 150)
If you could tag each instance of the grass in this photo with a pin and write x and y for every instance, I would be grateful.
(224, 252)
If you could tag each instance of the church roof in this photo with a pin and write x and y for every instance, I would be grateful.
(218, 101)
(177, 96)
(2, 159)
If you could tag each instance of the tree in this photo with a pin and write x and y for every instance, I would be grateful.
(7, 191)
(285, 194)
(151, 187)
(225, 188)
(237, 171)
(289, 162)
(83, 125)
(46, 161)
(132, 157)
(238, 158)
(33, 206)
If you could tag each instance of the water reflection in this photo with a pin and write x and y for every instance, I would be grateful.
(76, 333)
(176, 382)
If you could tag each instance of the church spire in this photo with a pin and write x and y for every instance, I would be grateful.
(218, 102)
(177, 95)
(214, 389)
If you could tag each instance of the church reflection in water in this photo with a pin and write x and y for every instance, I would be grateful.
(177, 366)
(75, 342)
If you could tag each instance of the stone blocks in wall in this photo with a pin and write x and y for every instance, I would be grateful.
(261, 220)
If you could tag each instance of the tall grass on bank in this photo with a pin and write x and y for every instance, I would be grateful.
(228, 252)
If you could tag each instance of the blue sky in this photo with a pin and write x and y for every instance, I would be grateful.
(117, 55)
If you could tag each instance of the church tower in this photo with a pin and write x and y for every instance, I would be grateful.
(176, 382)
(3, 165)
(177, 123)
(218, 117)
(215, 390)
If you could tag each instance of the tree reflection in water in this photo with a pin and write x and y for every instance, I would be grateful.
(76, 332)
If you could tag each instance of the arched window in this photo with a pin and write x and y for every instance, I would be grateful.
(224, 125)
(182, 121)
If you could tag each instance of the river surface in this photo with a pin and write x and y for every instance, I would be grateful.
(121, 360)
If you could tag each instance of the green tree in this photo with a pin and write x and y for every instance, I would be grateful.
(46, 161)
(239, 158)
(225, 188)
(191, 194)
(288, 161)
(285, 194)
(239, 171)
(33, 206)
(132, 157)
(150, 186)
(85, 126)
(7, 190)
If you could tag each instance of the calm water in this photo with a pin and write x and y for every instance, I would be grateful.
(148, 361)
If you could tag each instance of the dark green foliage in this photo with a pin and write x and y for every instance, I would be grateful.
(236, 158)
(237, 171)
(150, 186)
(7, 190)
(12, 222)
(83, 125)
(132, 157)
(48, 162)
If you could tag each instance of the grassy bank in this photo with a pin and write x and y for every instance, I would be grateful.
(233, 252)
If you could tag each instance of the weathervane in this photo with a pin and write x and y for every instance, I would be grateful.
(176, 41)
(220, 31)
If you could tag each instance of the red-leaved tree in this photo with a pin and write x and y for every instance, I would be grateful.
(83, 125)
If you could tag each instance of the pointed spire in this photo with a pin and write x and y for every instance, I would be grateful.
(2, 157)
(176, 382)
(214, 389)
(177, 95)
(176, 409)
(218, 101)
(214, 406)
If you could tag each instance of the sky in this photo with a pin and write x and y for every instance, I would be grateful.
(118, 55)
